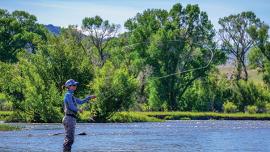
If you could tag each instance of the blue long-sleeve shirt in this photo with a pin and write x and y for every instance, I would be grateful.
(69, 102)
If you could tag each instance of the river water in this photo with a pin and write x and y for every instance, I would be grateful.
(170, 136)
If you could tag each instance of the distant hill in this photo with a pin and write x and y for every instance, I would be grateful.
(54, 29)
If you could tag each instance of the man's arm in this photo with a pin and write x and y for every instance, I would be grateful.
(81, 101)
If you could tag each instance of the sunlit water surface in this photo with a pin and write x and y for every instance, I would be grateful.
(170, 136)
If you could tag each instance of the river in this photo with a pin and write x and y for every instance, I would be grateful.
(169, 136)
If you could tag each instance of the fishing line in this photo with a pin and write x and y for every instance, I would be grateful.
(168, 75)
(172, 74)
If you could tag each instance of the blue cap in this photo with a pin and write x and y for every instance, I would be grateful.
(71, 82)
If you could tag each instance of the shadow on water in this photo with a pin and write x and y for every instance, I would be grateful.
(147, 137)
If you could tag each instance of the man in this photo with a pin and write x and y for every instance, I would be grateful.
(71, 110)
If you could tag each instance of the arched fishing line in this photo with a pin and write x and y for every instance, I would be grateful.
(168, 75)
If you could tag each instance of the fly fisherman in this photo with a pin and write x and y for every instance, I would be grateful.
(71, 110)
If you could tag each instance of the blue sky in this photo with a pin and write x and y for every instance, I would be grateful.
(67, 12)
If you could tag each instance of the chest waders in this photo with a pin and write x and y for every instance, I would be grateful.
(69, 122)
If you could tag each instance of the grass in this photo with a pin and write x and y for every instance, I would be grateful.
(206, 116)
(133, 117)
(128, 117)
(162, 116)
(6, 127)
(4, 115)
(123, 117)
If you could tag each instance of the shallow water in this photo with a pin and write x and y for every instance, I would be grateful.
(172, 136)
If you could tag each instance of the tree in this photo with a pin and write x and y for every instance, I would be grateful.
(171, 42)
(42, 102)
(259, 56)
(236, 39)
(11, 83)
(35, 81)
(63, 59)
(100, 32)
(19, 31)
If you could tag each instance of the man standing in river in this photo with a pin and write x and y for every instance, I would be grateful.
(71, 110)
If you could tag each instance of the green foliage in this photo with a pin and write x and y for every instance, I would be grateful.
(64, 59)
(100, 31)
(147, 68)
(114, 89)
(249, 93)
(229, 107)
(5, 104)
(251, 109)
(171, 42)
(42, 102)
(207, 94)
(259, 56)
(267, 108)
(128, 117)
(256, 58)
(11, 84)
(154, 99)
(35, 82)
(5, 114)
(206, 115)
(121, 117)
(19, 31)
(237, 39)
(6, 127)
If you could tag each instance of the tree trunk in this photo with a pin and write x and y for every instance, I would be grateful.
(245, 71)
(172, 95)
(101, 55)
(238, 68)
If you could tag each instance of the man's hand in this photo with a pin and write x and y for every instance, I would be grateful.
(93, 97)
(80, 110)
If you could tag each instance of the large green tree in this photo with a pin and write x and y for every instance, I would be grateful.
(19, 31)
(100, 32)
(171, 42)
(236, 39)
(35, 81)
(64, 58)
(259, 56)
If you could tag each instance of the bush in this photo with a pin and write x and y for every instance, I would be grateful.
(207, 94)
(5, 104)
(155, 103)
(139, 107)
(267, 108)
(115, 90)
(5, 114)
(251, 109)
(250, 93)
(42, 101)
(229, 107)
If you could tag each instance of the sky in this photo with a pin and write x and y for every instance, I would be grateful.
(71, 12)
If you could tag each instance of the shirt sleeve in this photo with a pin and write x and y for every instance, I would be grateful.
(71, 106)
(81, 101)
